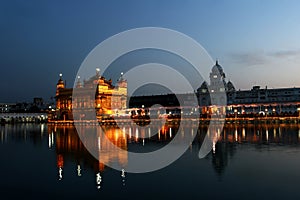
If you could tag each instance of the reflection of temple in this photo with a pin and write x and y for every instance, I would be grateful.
(69, 146)
(227, 142)
(106, 98)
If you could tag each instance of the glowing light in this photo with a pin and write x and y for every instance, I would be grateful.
(99, 143)
(60, 170)
(123, 173)
(236, 135)
(49, 141)
(78, 170)
(136, 133)
(98, 180)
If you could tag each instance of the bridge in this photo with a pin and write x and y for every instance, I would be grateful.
(23, 117)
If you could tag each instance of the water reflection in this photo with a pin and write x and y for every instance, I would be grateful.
(225, 142)
(67, 146)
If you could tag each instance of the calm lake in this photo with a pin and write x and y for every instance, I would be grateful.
(41, 161)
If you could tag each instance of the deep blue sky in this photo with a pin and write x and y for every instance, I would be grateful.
(257, 42)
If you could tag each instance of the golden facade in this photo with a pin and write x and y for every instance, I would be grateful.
(109, 99)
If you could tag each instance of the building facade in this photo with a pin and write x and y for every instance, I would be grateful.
(254, 101)
(221, 97)
(107, 99)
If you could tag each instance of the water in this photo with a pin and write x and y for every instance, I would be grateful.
(40, 161)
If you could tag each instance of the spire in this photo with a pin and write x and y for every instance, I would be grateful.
(60, 84)
(97, 71)
(217, 62)
(121, 77)
(78, 84)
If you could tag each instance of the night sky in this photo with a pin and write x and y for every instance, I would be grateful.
(256, 42)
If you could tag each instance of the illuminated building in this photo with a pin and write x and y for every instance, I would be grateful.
(109, 99)
(264, 101)
(254, 101)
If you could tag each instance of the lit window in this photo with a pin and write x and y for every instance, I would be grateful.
(215, 76)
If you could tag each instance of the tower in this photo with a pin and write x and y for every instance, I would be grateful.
(217, 78)
(60, 84)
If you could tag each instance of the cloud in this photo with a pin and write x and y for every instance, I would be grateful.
(285, 53)
(250, 58)
(263, 58)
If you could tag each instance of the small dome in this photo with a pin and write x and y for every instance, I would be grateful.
(230, 86)
(204, 85)
(203, 88)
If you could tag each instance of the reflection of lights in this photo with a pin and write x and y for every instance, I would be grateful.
(279, 130)
(123, 173)
(124, 132)
(170, 132)
(136, 134)
(214, 148)
(60, 173)
(98, 180)
(123, 176)
(149, 132)
(158, 135)
(267, 135)
(99, 143)
(236, 135)
(49, 141)
(274, 132)
(78, 170)
(143, 142)
(42, 128)
(243, 133)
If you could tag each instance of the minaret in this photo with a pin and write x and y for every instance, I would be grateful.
(122, 82)
(98, 72)
(78, 83)
(122, 91)
(60, 84)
